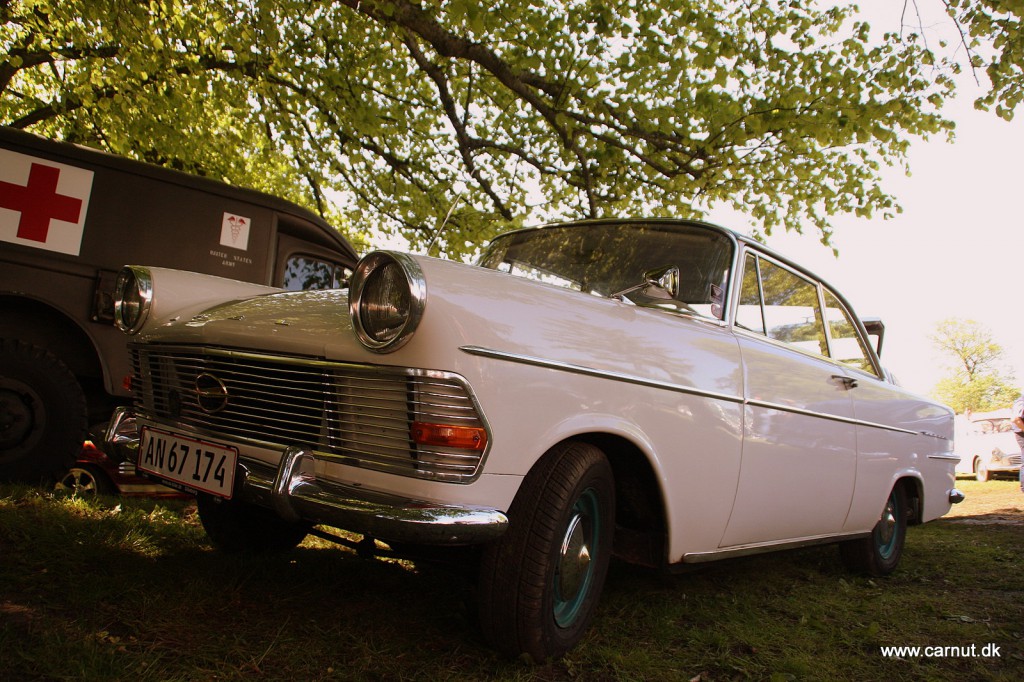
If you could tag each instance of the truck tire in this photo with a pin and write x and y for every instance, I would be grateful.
(42, 414)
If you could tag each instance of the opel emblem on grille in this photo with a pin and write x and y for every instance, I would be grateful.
(211, 393)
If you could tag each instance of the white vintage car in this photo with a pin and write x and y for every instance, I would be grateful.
(986, 446)
(666, 392)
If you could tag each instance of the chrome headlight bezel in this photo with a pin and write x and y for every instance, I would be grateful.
(133, 298)
(375, 276)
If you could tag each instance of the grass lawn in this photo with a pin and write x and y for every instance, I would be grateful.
(119, 589)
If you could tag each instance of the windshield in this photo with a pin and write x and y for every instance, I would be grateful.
(606, 259)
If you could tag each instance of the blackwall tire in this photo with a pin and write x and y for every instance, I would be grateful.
(238, 527)
(42, 414)
(880, 553)
(541, 582)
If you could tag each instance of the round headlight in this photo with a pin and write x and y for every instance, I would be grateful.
(387, 297)
(133, 297)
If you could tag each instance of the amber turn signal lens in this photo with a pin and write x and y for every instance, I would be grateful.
(446, 435)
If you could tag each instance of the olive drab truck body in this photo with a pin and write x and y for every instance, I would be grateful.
(70, 217)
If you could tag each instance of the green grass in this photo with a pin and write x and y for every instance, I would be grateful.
(118, 589)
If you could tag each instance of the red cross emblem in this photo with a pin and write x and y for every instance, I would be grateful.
(38, 202)
(43, 203)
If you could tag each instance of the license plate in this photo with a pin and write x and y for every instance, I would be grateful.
(191, 463)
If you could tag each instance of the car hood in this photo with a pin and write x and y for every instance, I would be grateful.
(302, 322)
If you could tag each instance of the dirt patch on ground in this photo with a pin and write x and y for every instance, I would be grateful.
(994, 502)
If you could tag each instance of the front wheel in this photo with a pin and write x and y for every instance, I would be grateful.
(540, 583)
(234, 526)
(42, 414)
(879, 553)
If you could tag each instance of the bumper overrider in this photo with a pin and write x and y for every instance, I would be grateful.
(294, 492)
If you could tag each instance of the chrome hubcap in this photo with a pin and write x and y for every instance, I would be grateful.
(574, 567)
(574, 560)
(887, 529)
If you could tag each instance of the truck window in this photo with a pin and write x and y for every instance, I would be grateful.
(306, 272)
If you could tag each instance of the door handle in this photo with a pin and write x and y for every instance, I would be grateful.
(844, 381)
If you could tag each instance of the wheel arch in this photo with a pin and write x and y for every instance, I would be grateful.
(49, 327)
(641, 533)
(913, 490)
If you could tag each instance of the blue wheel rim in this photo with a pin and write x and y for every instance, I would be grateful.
(887, 532)
(574, 573)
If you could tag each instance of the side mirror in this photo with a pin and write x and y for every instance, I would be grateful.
(660, 282)
(664, 278)
(876, 328)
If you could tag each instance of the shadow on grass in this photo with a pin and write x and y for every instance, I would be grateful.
(97, 591)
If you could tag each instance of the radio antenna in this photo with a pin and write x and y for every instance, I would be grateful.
(440, 229)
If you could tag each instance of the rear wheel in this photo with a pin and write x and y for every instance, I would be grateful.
(540, 583)
(879, 553)
(981, 472)
(234, 526)
(42, 414)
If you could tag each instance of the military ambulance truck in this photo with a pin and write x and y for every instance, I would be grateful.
(70, 217)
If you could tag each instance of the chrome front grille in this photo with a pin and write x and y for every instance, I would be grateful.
(359, 415)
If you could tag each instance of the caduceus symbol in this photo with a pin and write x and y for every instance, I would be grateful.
(236, 224)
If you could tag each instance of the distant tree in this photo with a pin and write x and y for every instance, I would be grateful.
(484, 115)
(978, 379)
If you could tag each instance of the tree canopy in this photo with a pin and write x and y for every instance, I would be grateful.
(977, 379)
(413, 114)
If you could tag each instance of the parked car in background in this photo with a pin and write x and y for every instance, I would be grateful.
(668, 392)
(70, 217)
(986, 446)
(94, 473)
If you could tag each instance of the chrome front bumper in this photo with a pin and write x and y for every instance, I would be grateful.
(295, 493)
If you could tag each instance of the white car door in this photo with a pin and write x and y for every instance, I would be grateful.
(799, 437)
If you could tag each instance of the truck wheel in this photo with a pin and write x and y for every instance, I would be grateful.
(540, 583)
(879, 553)
(234, 526)
(42, 414)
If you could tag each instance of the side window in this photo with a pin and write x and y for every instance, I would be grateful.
(847, 345)
(791, 310)
(750, 314)
(305, 272)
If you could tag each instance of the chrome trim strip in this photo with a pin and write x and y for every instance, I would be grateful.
(759, 548)
(589, 371)
(948, 458)
(833, 417)
(678, 388)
